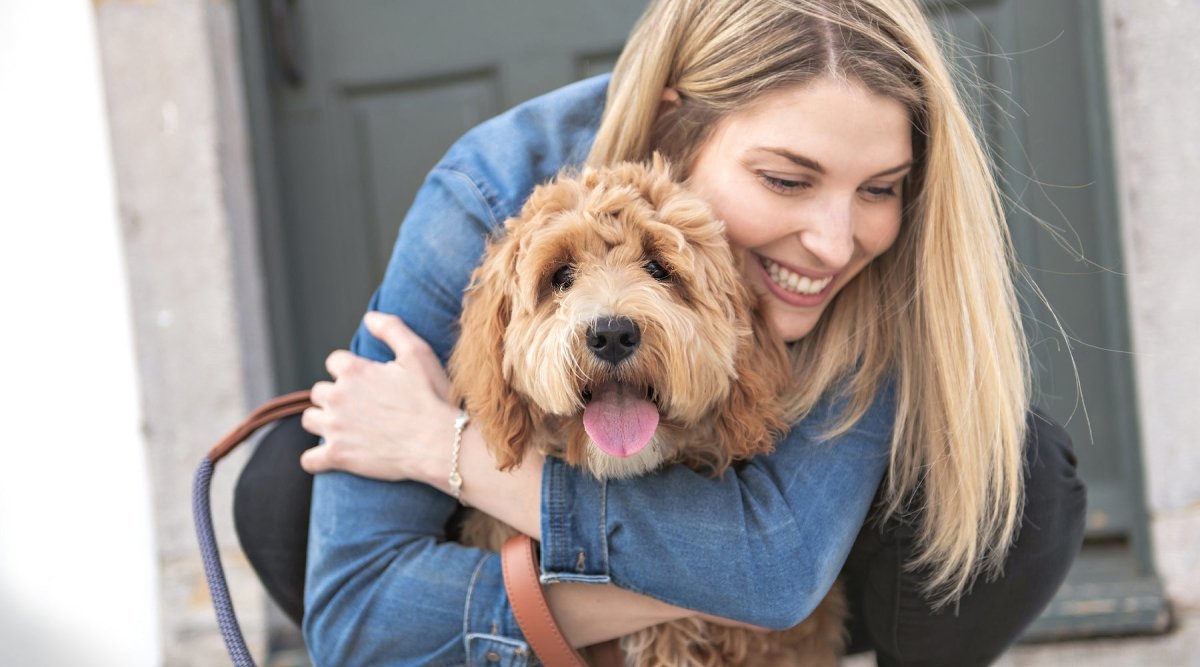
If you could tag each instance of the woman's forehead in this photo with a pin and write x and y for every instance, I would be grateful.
(826, 121)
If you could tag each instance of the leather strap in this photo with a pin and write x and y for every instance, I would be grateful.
(276, 408)
(518, 560)
(519, 564)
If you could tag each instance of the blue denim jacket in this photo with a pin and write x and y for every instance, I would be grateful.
(761, 544)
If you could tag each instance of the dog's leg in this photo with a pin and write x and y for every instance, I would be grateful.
(481, 530)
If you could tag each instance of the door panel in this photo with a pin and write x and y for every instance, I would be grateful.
(383, 139)
(1041, 103)
(388, 86)
(1040, 119)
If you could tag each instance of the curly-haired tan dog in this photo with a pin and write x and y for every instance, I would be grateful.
(610, 325)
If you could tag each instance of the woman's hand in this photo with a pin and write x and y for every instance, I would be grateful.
(387, 421)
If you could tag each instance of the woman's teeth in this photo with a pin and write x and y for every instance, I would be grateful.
(792, 282)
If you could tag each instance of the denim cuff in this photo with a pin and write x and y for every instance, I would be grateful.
(574, 535)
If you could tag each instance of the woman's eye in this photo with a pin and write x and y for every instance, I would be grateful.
(656, 271)
(880, 191)
(784, 185)
(563, 277)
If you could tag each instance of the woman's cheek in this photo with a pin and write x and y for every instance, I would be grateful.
(884, 233)
(747, 222)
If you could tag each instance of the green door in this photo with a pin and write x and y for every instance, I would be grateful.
(358, 100)
(352, 102)
(1036, 71)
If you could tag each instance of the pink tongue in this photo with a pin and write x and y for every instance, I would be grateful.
(619, 420)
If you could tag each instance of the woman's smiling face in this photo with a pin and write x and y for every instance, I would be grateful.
(808, 181)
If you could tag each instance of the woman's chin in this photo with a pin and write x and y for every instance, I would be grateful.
(792, 323)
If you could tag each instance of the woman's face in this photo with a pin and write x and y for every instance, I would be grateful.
(808, 181)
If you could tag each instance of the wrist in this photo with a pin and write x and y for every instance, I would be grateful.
(454, 478)
(434, 467)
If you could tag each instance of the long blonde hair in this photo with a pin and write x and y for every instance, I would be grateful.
(937, 314)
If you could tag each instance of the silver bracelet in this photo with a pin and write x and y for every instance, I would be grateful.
(455, 479)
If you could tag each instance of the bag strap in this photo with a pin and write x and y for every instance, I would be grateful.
(231, 631)
(276, 408)
(518, 560)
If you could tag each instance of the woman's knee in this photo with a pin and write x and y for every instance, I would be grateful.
(1055, 495)
(896, 618)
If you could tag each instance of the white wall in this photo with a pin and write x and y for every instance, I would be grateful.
(77, 567)
(1154, 78)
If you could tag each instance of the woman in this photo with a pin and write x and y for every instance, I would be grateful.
(828, 136)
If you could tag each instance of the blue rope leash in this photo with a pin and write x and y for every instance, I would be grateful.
(273, 410)
(235, 643)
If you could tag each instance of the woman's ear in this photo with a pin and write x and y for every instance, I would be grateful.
(668, 101)
(476, 366)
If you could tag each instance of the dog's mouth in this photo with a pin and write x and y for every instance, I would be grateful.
(620, 418)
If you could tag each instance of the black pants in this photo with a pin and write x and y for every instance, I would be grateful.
(888, 613)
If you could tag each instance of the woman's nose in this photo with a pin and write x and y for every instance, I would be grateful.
(829, 236)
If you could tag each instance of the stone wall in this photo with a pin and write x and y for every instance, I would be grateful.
(186, 206)
(1154, 81)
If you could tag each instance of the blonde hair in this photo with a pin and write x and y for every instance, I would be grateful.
(937, 314)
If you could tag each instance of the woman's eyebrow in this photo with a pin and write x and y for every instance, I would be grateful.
(894, 170)
(809, 163)
(798, 159)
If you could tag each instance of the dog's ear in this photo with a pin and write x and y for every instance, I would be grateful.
(751, 419)
(477, 373)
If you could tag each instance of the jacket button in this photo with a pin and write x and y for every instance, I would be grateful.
(492, 656)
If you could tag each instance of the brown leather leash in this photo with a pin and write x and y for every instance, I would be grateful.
(518, 559)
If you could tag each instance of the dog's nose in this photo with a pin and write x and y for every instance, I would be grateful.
(613, 338)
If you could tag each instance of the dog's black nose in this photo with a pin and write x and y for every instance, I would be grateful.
(613, 338)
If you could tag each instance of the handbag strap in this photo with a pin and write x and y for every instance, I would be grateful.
(214, 571)
(276, 408)
(518, 560)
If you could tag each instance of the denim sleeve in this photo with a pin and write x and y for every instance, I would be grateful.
(384, 587)
(762, 544)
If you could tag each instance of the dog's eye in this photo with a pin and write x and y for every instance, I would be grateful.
(656, 270)
(563, 277)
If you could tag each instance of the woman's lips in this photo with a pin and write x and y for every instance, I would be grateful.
(792, 287)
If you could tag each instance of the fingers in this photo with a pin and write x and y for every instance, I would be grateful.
(347, 458)
(321, 393)
(313, 420)
(408, 348)
(395, 333)
(321, 458)
(340, 362)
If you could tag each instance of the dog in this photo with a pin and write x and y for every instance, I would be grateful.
(610, 325)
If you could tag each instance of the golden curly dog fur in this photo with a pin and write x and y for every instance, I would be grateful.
(629, 244)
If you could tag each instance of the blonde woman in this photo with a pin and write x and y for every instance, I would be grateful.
(828, 135)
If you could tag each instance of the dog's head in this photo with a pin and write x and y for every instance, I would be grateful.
(611, 325)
